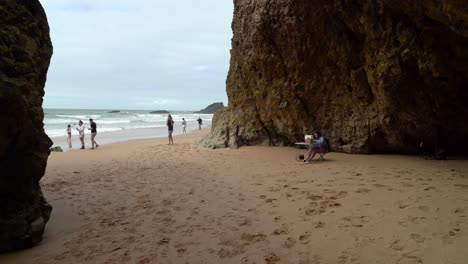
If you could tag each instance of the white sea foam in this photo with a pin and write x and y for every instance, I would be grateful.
(56, 120)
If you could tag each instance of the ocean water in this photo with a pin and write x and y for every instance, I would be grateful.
(56, 120)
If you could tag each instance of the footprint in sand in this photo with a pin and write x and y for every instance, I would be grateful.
(314, 197)
(407, 258)
(362, 190)
(346, 257)
(424, 208)
(231, 248)
(253, 238)
(319, 224)
(402, 205)
(405, 184)
(454, 231)
(459, 211)
(245, 222)
(180, 249)
(278, 218)
(396, 245)
(283, 230)
(353, 221)
(411, 220)
(271, 258)
(315, 211)
(339, 195)
(164, 240)
(290, 242)
(417, 238)
(304, 238)
(226, 253)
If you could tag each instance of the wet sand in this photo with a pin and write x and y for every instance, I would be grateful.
(144, 201)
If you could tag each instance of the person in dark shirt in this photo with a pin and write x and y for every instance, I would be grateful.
(93, 133)
(200, 122)
(170, 128)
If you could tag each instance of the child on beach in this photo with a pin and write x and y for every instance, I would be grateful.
(69, 139)
(170, 128)
(184, 126)
(81, 133)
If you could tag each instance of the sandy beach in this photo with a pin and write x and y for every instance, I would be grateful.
(144, 201)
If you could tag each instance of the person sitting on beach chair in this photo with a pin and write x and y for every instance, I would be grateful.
(318, 146)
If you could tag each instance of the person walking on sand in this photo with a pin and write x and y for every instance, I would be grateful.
(200, 123)
(93, 133)
(80, 130)
(170, 128)
(69, 139)
(184, 126)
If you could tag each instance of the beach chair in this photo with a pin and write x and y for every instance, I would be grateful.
(321, 153)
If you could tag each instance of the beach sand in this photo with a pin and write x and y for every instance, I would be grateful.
(144, 201)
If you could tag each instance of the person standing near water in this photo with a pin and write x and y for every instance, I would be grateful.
(93, 133)
(80, 130)
(69, 140)
(200, 122)
(170, 128)
(184, 126)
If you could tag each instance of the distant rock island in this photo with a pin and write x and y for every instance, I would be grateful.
(114, 111)
(211, 109)
(160, 112)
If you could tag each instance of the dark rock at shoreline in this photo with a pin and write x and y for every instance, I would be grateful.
(113, 112)
(211, 109)
(56, 149)
(25, 52)
(160, 112)
(376, 76)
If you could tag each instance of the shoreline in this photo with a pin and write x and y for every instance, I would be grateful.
(111, 137)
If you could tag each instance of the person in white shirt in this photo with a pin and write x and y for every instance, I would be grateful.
(81, 130)
(184, 126)
(69, 139)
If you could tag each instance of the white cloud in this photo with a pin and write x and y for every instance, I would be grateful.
(166, 102)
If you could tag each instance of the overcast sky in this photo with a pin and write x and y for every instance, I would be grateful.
(139, 54)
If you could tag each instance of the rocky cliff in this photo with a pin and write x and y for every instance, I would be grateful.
(25, 51)
(376, 76)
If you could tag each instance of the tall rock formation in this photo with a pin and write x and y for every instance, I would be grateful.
(25, 52)
(376, 76)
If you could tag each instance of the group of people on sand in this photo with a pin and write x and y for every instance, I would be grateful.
(170, 127)
(81, 134)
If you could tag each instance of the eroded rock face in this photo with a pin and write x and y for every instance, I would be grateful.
(25, 51)
(374, 76)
